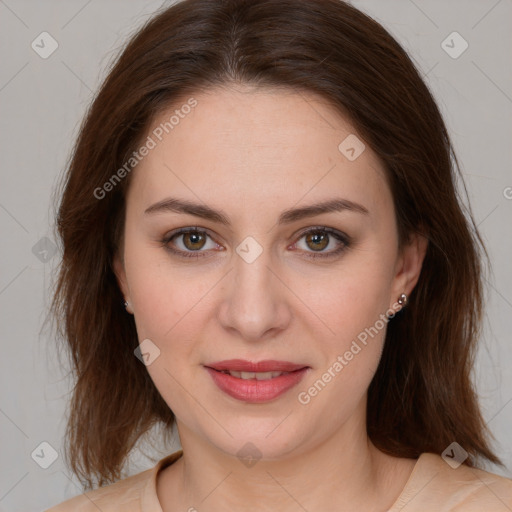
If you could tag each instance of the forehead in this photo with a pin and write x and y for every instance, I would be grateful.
(245, 145)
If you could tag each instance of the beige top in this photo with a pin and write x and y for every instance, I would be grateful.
(432, 486)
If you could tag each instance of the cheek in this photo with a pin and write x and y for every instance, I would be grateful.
(351, 305)
(167, 307)
(162, 294)
(350, 299)
(348, 359)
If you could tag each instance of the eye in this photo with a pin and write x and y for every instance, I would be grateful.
(190, 242)
(319, 238)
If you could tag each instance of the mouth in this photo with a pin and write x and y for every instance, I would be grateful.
(243, 366)
(256, 382)
(253, 375)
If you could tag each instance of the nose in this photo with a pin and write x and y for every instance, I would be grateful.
(255, 300)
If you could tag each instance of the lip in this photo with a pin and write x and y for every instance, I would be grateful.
(252, 390)
(269, 365)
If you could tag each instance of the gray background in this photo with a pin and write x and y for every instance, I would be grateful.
(42, 102)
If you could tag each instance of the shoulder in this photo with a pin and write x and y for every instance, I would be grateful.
(435, 485)
(136, 493)
(123, 495)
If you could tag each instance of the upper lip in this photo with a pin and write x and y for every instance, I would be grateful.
(241, 365)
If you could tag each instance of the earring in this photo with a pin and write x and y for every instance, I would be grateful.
(128, 307)
(403, 300)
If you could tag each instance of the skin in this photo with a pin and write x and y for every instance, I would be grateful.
(254, 153)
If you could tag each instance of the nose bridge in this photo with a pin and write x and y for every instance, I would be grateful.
(254, 303)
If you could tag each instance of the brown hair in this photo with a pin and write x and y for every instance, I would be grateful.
(421, 398)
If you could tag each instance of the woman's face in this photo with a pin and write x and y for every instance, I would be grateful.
(257, 281)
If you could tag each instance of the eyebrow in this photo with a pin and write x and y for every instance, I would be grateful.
(172, 204)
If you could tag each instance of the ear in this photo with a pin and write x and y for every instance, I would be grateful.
(408, 266)
(120, 274)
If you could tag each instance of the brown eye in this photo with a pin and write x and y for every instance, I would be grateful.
(193, 243)
(190, 243)
(319, 240)
(194, 240)
(314, 242)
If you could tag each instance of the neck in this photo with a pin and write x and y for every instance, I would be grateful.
(344, 472)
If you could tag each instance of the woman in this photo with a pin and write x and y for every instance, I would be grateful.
(268, 189)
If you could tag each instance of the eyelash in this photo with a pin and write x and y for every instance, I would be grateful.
(341, 237)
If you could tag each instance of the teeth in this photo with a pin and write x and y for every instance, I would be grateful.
(255, 375)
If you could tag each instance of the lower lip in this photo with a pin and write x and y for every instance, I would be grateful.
(256, 391)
